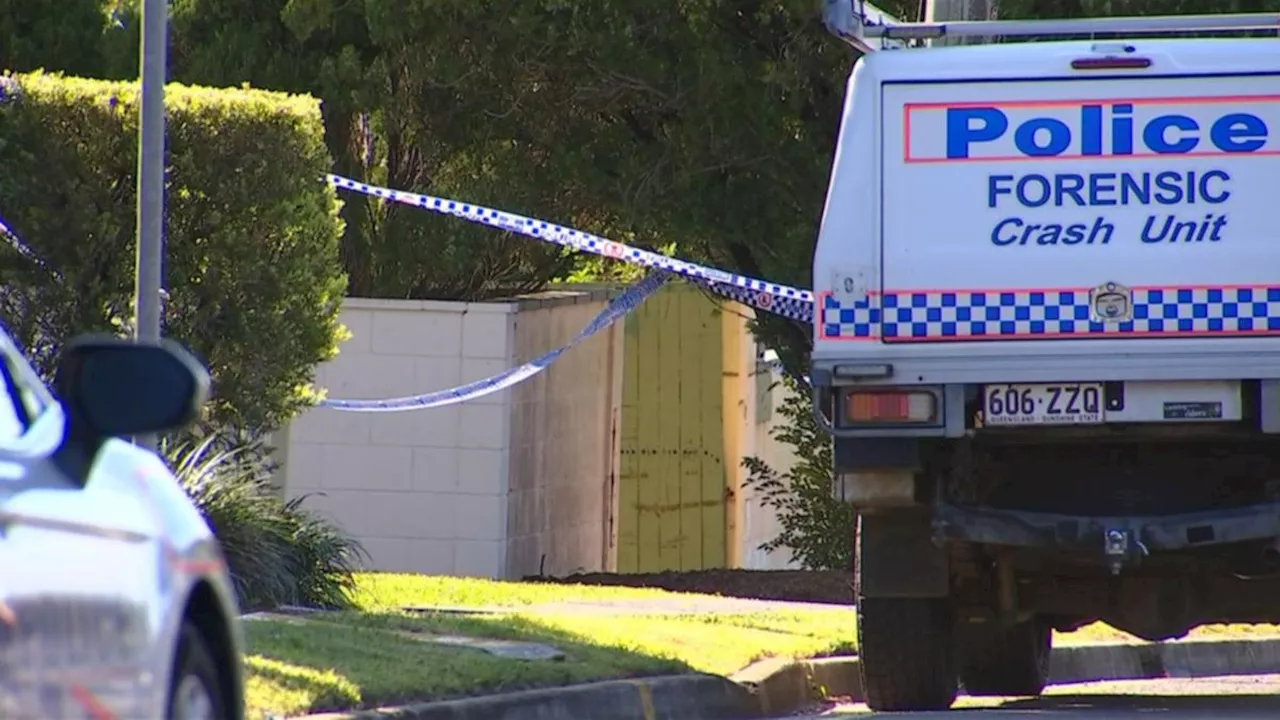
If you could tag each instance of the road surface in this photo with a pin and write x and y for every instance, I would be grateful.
(1245, 697)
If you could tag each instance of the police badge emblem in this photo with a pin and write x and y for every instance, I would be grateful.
(1111, 303)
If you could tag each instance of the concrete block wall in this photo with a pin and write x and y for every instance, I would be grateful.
(479, 488)
(564, 445)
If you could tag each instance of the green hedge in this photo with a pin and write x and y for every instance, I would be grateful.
(252, 261)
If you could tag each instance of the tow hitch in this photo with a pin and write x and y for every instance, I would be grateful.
(1121, 548)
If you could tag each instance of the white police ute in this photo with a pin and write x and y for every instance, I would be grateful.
(1047, 339)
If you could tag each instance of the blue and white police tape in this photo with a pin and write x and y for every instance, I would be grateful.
(794, 308)
(11, 239)
(782, 300)
(629, 300)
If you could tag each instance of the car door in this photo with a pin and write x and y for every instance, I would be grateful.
(78, 571)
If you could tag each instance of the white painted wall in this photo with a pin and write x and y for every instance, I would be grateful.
(760, 523)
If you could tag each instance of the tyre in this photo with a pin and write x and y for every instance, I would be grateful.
(905, 654)
(195, 690)
(1010, 661)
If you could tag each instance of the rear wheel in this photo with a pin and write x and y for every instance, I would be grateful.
(1009, 660)
(195, 689)
(905, 654)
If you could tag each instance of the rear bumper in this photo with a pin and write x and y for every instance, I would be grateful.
(1015, 528)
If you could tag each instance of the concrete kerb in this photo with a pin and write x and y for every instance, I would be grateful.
(1182, 659)
(675, 697)
(779, 687)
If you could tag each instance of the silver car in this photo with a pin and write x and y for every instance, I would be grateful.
(115, 601)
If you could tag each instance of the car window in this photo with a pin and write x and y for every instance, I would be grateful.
(30, 391)
(14, 415)
(23, 396)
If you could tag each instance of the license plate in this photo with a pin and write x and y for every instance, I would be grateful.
(1042, 404)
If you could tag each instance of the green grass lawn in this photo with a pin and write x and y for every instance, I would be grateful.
(1104, 633)
(393, 590)
(376, 657)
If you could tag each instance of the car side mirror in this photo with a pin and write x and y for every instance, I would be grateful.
(112, 387)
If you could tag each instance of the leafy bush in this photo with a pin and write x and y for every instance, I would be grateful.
(816, 526)
(279, 552)
(251, 258)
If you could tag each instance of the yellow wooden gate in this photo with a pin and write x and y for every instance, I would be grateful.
(672, 485)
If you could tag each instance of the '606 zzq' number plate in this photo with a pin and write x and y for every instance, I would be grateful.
(1042, 404)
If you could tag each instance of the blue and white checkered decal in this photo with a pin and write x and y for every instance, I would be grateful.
(955, 315)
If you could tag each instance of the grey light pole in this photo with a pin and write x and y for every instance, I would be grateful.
(147, 287)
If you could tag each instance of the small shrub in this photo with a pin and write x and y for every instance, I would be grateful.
(817, 527)
(279, 552)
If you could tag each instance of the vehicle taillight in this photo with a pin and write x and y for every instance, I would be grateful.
(890, 406)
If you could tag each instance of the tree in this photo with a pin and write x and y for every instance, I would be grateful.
(708, 124)
(1046, 9)
(56, 35)
(392, 117)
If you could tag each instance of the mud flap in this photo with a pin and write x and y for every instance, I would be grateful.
(897, 558)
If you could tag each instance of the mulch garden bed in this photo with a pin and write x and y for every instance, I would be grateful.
(833, 587)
